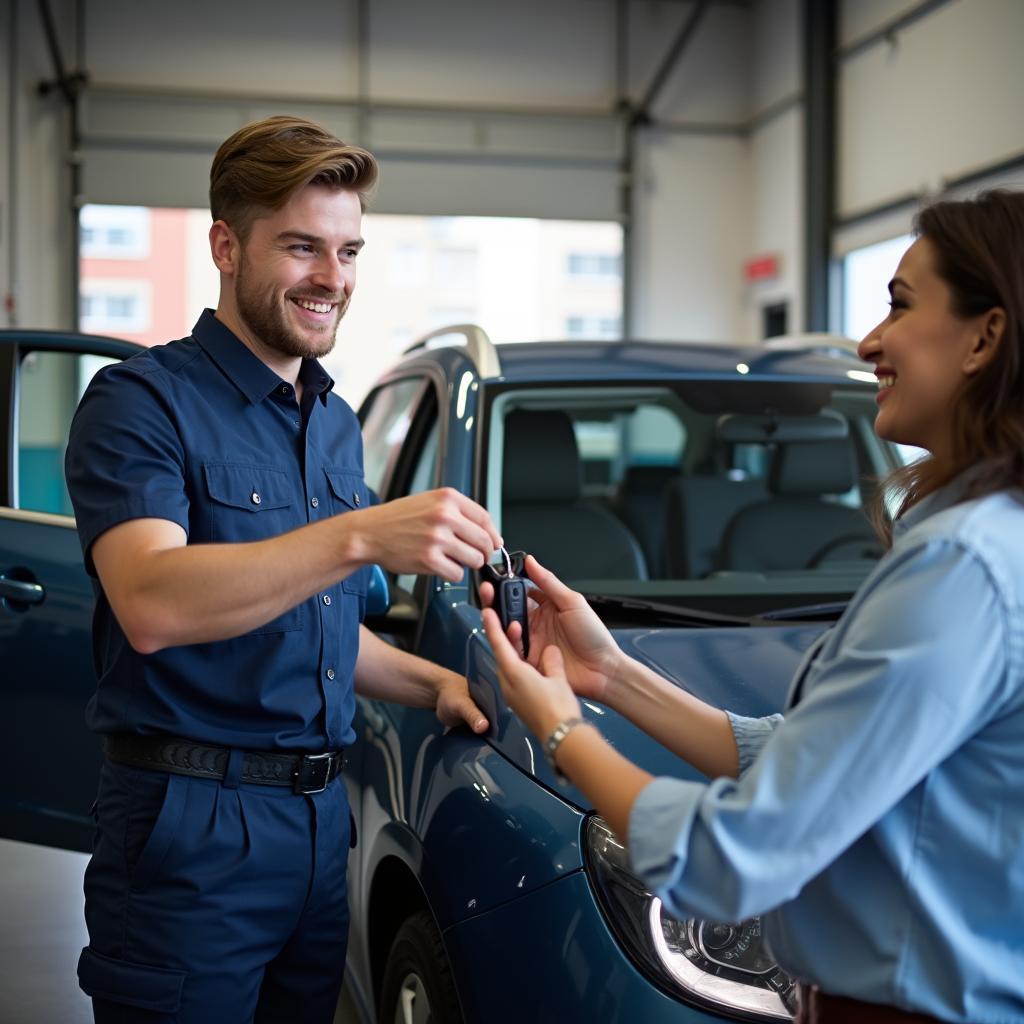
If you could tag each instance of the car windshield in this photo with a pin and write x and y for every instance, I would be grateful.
(735, 497)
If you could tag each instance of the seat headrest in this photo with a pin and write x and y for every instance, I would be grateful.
(813, 467)
(542, 461)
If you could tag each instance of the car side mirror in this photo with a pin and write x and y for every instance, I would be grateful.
(391, 612)
(378, 594)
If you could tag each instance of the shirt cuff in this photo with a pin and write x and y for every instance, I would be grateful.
(659, 829)
(751, 734)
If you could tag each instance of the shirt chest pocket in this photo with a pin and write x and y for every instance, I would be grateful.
(349, 492)
(250, 503)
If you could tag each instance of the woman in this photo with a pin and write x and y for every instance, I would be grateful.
(881, 821)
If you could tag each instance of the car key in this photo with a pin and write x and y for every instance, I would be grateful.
(510, 595)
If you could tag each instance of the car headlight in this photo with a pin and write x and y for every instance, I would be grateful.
(722, 967)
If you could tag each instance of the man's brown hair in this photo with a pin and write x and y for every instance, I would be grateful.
(259, 168)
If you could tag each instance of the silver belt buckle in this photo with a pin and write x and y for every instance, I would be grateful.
(313, 773)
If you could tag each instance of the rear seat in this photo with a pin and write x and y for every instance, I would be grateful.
(697, 511)
(640, 504)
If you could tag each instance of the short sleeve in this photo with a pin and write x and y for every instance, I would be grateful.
(125, 458)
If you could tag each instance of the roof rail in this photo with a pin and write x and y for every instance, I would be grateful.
(479, 346)
(814, 341)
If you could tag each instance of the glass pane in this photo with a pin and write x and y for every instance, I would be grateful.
(423, 477)
(866, 276)
(660, 469)
(146, 275)
(384, 429)
(50, 385)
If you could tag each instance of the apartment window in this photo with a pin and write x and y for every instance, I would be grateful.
(114, 232)
(594, 328)
(594, 264)
(113, 307)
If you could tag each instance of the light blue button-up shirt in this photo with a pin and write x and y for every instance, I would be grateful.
(882, 822)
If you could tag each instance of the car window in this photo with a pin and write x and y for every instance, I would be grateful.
(702, 493)
(422, 476)
(50, 385)
(386, 417)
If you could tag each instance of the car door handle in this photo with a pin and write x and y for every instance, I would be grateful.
(19, 590)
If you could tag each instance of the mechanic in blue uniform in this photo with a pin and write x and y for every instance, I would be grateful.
(218, 488)
(879, 824)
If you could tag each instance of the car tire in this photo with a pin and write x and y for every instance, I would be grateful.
(418, 986)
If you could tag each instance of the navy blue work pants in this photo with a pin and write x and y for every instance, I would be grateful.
(215, 903)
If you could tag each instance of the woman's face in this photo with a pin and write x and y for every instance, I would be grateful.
(922, 353)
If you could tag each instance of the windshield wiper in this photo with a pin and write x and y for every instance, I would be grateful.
(828, 612)
(630, 610)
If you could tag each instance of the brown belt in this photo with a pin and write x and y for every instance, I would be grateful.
(817, 1007)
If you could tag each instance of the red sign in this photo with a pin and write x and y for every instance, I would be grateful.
(761, 268)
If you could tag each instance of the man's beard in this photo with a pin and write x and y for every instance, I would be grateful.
(267, 320)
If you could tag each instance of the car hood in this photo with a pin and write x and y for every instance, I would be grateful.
(745, 669)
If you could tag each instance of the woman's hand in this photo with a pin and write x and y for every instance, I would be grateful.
(562, 618)
(542, 697)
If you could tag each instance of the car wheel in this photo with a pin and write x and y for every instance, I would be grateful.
(418, 986)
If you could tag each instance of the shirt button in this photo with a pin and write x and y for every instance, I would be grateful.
(327, 598)
(330, 674)
(355, 499)
(285, 390)
(256, 499)
(314, 502)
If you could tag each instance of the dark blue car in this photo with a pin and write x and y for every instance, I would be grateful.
(706, 499)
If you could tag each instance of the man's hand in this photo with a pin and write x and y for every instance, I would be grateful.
(436, 532)
(562, 618)
(455, 706)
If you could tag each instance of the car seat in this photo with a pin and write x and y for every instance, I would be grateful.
(542, 508)
(698, 508)
(796, 528)
(640, 503)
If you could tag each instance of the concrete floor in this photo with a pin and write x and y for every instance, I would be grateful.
(42, 932)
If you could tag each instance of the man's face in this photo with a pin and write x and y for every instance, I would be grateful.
(297, 271)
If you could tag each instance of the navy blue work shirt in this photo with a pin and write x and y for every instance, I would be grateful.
(202, 433)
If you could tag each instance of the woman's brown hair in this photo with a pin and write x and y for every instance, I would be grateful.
(978, 245)
(261, 166)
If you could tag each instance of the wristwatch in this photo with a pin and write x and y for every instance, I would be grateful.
(554, 741)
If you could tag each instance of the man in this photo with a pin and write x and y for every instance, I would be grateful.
(221, 505)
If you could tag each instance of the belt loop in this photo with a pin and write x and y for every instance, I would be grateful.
(233, 771)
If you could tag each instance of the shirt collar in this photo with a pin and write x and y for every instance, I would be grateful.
(938, 501)
(247, 371)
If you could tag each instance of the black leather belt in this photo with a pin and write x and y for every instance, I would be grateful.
(304, 773)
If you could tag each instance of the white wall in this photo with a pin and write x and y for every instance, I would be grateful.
(168, 83)
(937, 100)
(39, 206)
(693, 216)
(8, 71)
(776, 163)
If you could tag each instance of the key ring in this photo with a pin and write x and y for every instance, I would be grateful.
(508, 562)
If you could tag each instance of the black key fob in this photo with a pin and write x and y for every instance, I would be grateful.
(510, 593)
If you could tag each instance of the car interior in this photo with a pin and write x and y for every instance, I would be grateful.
(651, 491)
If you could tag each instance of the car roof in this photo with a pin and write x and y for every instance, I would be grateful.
(820, 358)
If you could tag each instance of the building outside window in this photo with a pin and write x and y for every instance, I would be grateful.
(520, 279)
(114, 232)
(595, 264)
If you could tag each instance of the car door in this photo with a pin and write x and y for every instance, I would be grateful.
(49, 761)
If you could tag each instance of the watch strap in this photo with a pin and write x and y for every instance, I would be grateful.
(554, 741)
